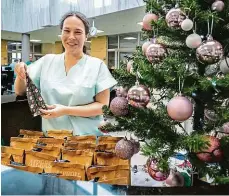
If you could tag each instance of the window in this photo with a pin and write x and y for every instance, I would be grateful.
(112, 41)
(37, 48)
(129, 40)
(107, 2)
(111, 60)
(98, 3)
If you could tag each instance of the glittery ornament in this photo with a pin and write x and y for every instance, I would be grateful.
(119, 106)
(224, 65)
(122, 91)
(154, 171)
(155, 52)
(193, 41)
(136, 145)
(180, 108)
(218, 6)
(187, 24)
(210, 115)
(124, 149)
(138, 96)
(175, 179)
(175, 17)
(226, 127)
(209, 52)
(147, 20)
(145, 46)
(212, 153)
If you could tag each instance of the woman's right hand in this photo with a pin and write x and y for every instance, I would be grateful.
(20, 70)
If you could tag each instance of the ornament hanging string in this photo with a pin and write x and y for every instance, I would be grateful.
(180, 85)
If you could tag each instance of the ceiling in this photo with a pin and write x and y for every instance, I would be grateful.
(114, 23)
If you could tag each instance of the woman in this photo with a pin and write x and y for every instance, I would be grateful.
(74, 86)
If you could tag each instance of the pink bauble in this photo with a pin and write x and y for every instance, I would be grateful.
(175, 179)
(147, 20)
(180, 108)
(129, 66)
(226, 127)
(145, 46)
(218, 6)
(154, 171)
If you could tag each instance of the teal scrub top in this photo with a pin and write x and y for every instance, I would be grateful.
(79, 86)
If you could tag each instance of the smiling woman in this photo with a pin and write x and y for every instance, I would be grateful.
(75, 86)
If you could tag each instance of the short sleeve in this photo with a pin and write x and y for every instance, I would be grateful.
(105, 80)
(34, 71)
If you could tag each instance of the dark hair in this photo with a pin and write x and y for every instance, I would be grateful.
(79, 15)
(84, 49)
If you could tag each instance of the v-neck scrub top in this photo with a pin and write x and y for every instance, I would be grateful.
(79, 86)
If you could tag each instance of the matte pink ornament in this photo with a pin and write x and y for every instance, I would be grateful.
(180, 108)
(145, 46)
(129, 66)
(147, 20)
(218, 6)
(226, 127)
(175, 179)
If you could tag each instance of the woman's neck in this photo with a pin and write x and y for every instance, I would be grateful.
(71, 59)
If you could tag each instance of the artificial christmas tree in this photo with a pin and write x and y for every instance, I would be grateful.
(187, 38)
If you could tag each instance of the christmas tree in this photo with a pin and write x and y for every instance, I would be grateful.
(181, 73)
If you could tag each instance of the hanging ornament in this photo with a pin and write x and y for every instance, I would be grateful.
(193, 41)
(224, 65)
(212, 153)
(138, 96)
(180, 108)
(175, 179)
(119, 106)
(129, 66)
(147, 20)
(175, 17)
(187, 24)
(218, 6)
(136, 145)
(102, 124)
(210, 115)
(124, 149)
(145, 46)
(156, 52)
(122, 91)
(226, 127)
(209, 52)
(155, 172)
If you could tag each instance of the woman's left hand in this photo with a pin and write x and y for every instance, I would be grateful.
(53, 111)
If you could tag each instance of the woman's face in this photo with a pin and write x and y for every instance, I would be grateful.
(73, 35)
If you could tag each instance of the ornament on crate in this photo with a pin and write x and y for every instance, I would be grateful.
(155, 172)
(211, 153)
(138, 95)
(121, 91)
(145, 46)
(147, 20)
(102, 124)
(175, 179)
(124, 149)
(193, 41)
(156, 52)
(136, 145)
(224, 65)
(210, 115)
(209, 52)
(119, 106)
(218, 6)
(129, 66)
(180, 108)
(175, 17)
(187, 24)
